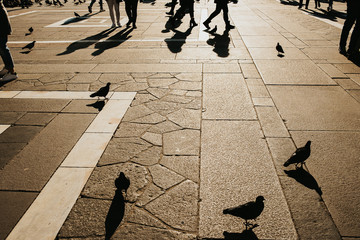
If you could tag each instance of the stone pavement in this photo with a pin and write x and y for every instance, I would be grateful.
(198, 121)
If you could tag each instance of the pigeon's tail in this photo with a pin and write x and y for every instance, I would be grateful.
(226, 211)
(93, 95)
(287, 163)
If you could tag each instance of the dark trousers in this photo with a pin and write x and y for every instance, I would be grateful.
(94, 1)
(353, 15)
(183, 6)
(131, 10)
(317, 3)
(219, 6)
(5, 52)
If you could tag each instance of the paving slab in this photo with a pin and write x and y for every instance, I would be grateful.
(226, 97)
(348, 68)
(182, 142)
(12, 206)
(271, 53)
(38, 119)
(8, 151)
(10, 117)
(64, 131)
(271, 122)
(147, 68)
(334, 108)
(332, 71)
(32, 105)
(292, 72)
(334, 164)
(19, 134)
(266, 41)
(236, 168)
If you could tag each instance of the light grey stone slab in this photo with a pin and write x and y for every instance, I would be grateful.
(281, 150)
(316, 108)
(54, 94)
(48, 212)
(182, 142)
(263, 101)
(147, 68)
(334, 163)
(88, 150)
(329, 53)
(36, 163)
(249, 70)
(348, 84)
(266, 41)
(355, 94)
(153, 138)
(39, 119)
(7, 118)
(332, 71)
(226, 97)
(292, 72)
(236, 168)
(20, 134)
(271, 53)
(3, 128)
(150, 193)
(54, 68)
(348, 68)
(32, 105)
(163, 177)
(271, 122)
(178, 207)
(187, 166)
(186, 118)
(221, 68)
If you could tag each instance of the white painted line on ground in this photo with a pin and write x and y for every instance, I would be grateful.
(203, 36)
(48, 212)
(88, 150)
(22, 14)
(3, 128)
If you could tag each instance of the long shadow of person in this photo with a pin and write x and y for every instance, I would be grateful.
(305, 178)
(112, 41)
(176, 42)
(86, 42)
(220, 43)
(117, 207)
(78, 19)
(247, 234)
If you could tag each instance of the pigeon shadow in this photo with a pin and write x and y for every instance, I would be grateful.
(176, 42)
(280, 55)
(86, 42)
(112, 41)
(220, 43)
(115, 213)
(25, 52)
(305, 178)
(99, 105)
(247, 234)
(27, 34)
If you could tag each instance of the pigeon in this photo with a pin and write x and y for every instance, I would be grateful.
(102, 92)
(30, 31)
(76, 14)
(279, 49)
(30, 45)
(299, 156)
(247, 211)
(122, 182)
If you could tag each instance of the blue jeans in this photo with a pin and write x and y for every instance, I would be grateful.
(5, 52)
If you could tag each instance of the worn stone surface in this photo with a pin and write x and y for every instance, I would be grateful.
(271, 123)
(9, 151)
(150, 119)
(140, 216)
(163, 177)
(40, 119)
(150, 193)
(186, 118)
(127, 129)
(33, 105)
(178, 207)
(182, 142)
(187, 166)
(101, 183)
(149, 156)
(10, 117)
(164, 127)
(153, 138)
(19, 134)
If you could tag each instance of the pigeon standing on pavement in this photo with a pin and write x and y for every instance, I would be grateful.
(30, 45)
(76, 14)
(247, 211)
(279, 49)
(299, 156)
(102, 92)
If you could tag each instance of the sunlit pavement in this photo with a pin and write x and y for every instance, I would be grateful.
(199, 121)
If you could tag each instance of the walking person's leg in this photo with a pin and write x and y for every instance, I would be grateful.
(349, 22)
(111, 11)
(191, 11)
(8, 72)
(128, 12)
(212, 15)
(134, 12)
(353, 51)
(117, 12)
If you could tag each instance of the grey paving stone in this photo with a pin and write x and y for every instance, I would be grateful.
(163, 177)
(187, 166)
(140, 216)
(140, 232)
(182, 142)
(271, 122)
(186, 118)
(84, 78)
(236, 168)
(330, 54)
(10, 117)
(263, 101)
(334, 164)
(32, 105)
(12, 206)
(163, 107)
(226, 97)
(19, 134)
(178, 207)
(292, 72)
(316, 108)
(135, 112)
(332, 71)
(81, 106)
(121, 150)
(249, 70)
(281, 150)
(348, 68)
(150, 156)
(177, 98)
(150, 119)
(347, 84)
(158, 92)
(9, 151)
(164, 127)
(355, 94)
(38, 119)
(153, 138)
(127, 129)
(271, 53)
(101, 182)
(63, 132)
(150, 193)
(266, 41)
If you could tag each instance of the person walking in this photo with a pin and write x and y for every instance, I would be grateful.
(353, 15)
(184, 5)
(114, 5)
(92, 3)
(131, 12)
(317, 4)
(220, 5)
(8, 72)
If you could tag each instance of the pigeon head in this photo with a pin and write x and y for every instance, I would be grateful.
(308, 143)
(260, 199)
(108, 84)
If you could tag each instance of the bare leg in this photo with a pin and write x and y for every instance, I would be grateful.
(117, 12)
(111, 10)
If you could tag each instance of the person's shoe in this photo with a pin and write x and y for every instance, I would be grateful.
(193, 23)
(134, 26)
(342, 51)
(118, 24)
(90, 10)
(206, 24)
(3, 72)
(170, 13)
(113, 25)
(102, 10)
(229, 26)
(128, 23)
(300, 6)
(9, 76)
